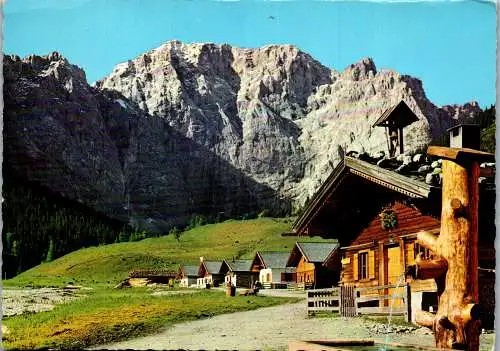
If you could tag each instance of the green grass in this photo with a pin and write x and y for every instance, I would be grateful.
(107, 315)
(108, 264)
(395, 320)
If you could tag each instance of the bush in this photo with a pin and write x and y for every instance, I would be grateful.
(138, 236)
(263, 213)
(50, 252)
(175, 232)
(123, 237)
(196, 221)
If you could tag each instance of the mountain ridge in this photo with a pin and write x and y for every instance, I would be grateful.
(233, 129)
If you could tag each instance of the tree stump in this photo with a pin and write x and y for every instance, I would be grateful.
(456, 324)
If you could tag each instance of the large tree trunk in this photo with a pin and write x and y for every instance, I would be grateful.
(456, 323)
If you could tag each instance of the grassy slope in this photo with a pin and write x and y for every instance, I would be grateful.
(112, 315)
(109, 264)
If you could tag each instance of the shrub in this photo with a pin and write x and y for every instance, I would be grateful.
(196, 221)
(137, 236)
(175, 232)
(263, 213)
(50, 252)
(123, 236)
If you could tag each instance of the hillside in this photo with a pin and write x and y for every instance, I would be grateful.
(201, 128)
(109, 264)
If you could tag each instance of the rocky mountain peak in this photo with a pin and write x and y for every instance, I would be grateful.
(196, 128)
(363, 69)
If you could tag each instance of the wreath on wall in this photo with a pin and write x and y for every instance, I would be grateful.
(388, 218)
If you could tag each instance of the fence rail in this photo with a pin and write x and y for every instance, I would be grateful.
(323, 300)
(347, 300)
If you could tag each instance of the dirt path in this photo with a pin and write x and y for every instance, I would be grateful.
(268, 328)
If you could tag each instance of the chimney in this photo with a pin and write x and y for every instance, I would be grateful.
(465, 136)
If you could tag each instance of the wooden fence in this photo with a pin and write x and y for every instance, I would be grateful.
(323, 300)
(350, 301)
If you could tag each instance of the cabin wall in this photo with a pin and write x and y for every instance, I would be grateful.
(186, 282)
(305, 271)
(274, 275)
(326, 277)
(383, 269)
(241, 279)
(409, 220)
(349, 274)
(266, 275)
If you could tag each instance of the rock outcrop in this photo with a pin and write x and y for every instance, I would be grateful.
(202, 128)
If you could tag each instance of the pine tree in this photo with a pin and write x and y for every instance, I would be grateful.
(50, 252)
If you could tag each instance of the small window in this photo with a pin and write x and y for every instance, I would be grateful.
(363, 265)
(426, 253)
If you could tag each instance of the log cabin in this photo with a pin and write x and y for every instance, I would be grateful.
(272, 269)
(378, 235)
(239, 273)
(376, 213)
(209, 273)
(317, 264)
(188, 275)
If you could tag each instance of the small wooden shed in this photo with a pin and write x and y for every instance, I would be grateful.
(317, 263)
(239, 273)
(209, 273)
(272, 269)
(188, 275)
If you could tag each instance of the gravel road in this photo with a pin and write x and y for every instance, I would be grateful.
(270, 328)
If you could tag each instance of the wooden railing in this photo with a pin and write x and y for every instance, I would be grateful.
(323, 300)
(347, 300)
(397, 302)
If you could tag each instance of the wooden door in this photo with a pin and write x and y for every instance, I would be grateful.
(394, 274)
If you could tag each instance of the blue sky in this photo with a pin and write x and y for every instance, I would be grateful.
(450, 45)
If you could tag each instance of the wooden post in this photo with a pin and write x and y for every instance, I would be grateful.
(407, 295)
(456, 324)
(400, 134)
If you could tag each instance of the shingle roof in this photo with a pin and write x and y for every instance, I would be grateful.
(213, 267)
(400, 114)
(274, 259)
(239, 265)
(190, 270)
(317, 252)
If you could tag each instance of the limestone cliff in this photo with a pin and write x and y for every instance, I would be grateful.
(201, 128)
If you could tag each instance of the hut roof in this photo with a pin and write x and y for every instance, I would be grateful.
(212, 267)
(274, 259)
(317, 252)
(360, 187)
(400, 115)
(314, 252)
(239, 265)
(190, 271)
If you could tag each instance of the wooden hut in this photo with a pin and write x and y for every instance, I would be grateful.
(272, 269)
(209, 273)
(239, 273)
(317, 264)
(376, 213)
(188, 275)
